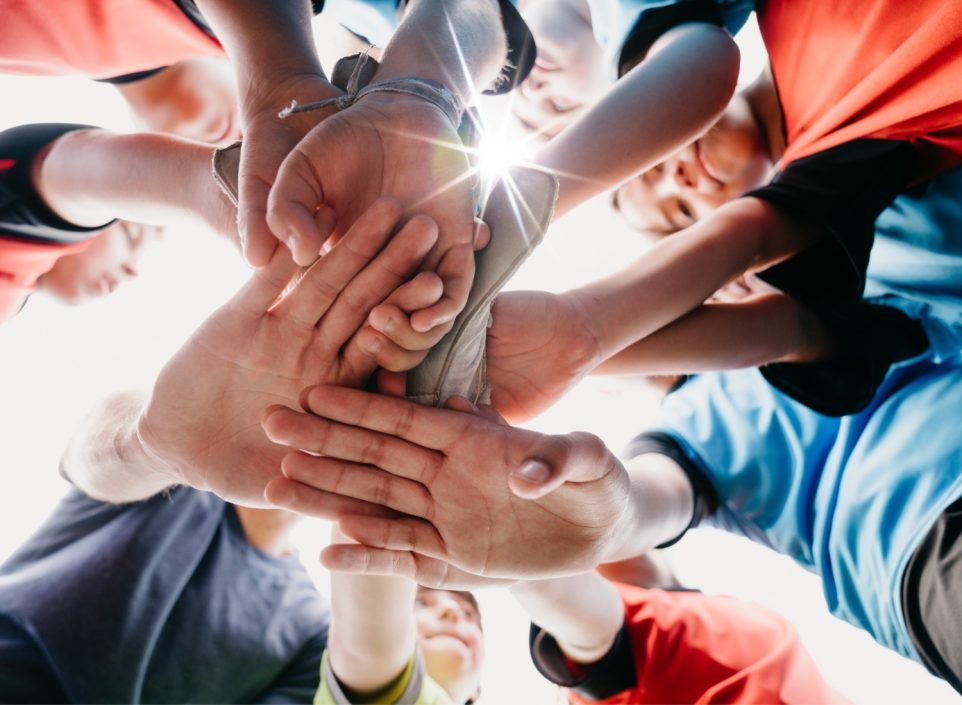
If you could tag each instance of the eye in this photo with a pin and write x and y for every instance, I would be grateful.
(686, 210)
(559, 106)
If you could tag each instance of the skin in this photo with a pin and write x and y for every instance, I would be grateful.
(451, 642)
(200, 426)
(298, 191)
(195, 99)
(737, 154)
(111, 259)
(544, 505)
(728, 160)
(568, 74)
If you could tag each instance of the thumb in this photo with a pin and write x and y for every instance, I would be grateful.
(555, 460)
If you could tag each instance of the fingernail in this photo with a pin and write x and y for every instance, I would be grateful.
(374, 347)
(534, 471)
(291, 241)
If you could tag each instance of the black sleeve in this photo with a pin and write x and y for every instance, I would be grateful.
(656, 21)
(25, 673)
(705, 496)
(841, 192)
(613, 674)
(23, 213)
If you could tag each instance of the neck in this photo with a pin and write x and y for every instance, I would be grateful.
(763, 100)
(267, 529)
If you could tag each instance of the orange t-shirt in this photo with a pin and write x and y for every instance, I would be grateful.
(886, 69)
(97, 38)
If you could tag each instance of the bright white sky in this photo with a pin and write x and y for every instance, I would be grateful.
(56, 362)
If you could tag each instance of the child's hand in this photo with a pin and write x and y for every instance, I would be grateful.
(539, 345)
(268, 140)
(390, 339)
(455, 481)
(384, 144)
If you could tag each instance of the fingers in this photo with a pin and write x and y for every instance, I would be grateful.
(554, 460)
(320, 287)
(335, 440)
(301, 499)
(267, 283)
(356, 481)
(398, 534)
(294, 199)
(257, 240)
(456, 270)
(421, 425)
(393, 384)
(482, 234)
(430, 572)
(388, 339)
(400, 258)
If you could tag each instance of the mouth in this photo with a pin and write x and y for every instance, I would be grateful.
(707, 168)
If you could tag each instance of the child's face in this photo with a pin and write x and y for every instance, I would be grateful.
(110, 260)
(728, 160)
(568, 74)
(450, 637)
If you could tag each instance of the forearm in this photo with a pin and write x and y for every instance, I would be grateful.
(668, 100)
(725, 336)
(372, 627)
(660, 507)
(91, 176)
(106, 459)
(681, 272)
(584, 629)
(459, 43)
(266, 41)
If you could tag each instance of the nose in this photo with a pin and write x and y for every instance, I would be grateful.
(448, 610)
(684, 175)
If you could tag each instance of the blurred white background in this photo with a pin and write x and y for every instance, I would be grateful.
(56, 362)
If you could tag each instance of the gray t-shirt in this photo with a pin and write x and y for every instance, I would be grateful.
(156, 601)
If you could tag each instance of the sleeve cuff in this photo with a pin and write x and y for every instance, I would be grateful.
(705, 496)
(612, 674)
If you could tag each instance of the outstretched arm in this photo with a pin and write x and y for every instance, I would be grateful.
(584, 629)
(721, 336)
(676, 93)
(91, 176)
(373, 633)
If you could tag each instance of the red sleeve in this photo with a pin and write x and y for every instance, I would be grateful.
(695, 648)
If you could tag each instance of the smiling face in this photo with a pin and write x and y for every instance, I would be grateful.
(111, 259)
(449, 634)
(568, 74)
(724, 163)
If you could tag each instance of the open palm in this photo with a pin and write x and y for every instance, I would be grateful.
(447, 477)
(203, 418)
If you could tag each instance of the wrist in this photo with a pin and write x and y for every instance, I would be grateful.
(138, 448)
(587, 322)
